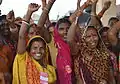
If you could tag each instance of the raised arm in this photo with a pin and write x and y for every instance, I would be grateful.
(45, 13)
(72, 31)
(104, 9)
(41, 23)
(25, 24)
(112, 34)
(73, 27)
(93, 10)
(94, 20)
(43, 6)
(77, 11)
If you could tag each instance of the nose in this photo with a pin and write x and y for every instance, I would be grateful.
(38, 50)
(65, 31)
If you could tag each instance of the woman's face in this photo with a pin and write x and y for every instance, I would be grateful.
(6, 29)
(32, 31)
(51, 29)
(105, 38)
(63, 30)
(91, 38)
(37, 50)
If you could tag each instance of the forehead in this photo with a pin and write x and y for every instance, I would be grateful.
(38, 44)
(91, 30)
(63, 25)
(32, 29)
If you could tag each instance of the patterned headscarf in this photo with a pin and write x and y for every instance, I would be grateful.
(99, 65)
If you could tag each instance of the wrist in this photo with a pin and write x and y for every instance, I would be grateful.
(105, 8)
(51, 1)
(28, 16)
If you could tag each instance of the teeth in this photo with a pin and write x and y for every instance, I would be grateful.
(38, 54)
(92, 43)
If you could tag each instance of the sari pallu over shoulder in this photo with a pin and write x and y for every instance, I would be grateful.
(27, 71)
(63, 62)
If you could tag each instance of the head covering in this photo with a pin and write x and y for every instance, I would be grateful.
(98, 67)
(39, 37)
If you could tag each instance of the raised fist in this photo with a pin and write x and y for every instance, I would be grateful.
(107, 4)
(10, 16)
(33, 7)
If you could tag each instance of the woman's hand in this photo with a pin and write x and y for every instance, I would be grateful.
(10, 16)
(78, 4)
(33, 7)
(107, 4)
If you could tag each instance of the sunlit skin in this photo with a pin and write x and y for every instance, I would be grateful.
(63, 30)
(37, 50)
(91, 38)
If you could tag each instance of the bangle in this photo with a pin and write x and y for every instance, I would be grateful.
(25, 23)
(46, 9)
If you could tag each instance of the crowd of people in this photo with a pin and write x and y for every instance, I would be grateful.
(62, 52)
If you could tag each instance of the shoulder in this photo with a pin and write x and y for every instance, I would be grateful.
(21, 56)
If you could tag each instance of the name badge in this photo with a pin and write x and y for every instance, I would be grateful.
(43, 78)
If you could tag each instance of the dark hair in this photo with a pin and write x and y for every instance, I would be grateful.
(51, 25)
(63, 20)
(66, 17)
(103, 29)
(33, 40)
(111, 19)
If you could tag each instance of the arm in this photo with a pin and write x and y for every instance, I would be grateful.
(45, 13)
(105, 8)
(78, 4)
(22, 33)
(112, 33)
(43, 6)
(72, 31)
(94, 20)
(93, 10)
(44, 32)
(77, 12)
(73, 27)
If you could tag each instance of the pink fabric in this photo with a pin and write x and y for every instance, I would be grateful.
(63, 60)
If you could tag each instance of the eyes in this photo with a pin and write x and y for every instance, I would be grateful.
(62, 29)
(41, 49)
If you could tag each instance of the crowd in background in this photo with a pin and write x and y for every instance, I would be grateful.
(61, 52)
